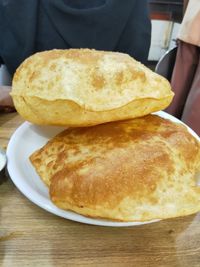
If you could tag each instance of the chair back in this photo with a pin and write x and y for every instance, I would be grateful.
(166, 63)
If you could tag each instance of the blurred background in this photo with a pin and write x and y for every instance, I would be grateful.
(166, 16)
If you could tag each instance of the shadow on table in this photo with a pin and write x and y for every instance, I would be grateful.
(4, 176)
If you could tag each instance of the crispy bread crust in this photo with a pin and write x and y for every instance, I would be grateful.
(134, 170)
(81, 87)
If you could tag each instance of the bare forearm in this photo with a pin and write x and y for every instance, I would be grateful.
(6, 103)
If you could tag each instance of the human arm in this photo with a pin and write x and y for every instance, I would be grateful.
(6, 103)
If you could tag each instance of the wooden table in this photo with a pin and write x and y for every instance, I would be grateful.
(30, 236)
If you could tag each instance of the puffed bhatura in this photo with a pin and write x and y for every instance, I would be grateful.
(82, 87)
(134, 170)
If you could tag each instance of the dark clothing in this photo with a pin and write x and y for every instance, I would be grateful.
(186, 85)
(28, 26)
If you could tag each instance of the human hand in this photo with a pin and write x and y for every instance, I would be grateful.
(6, 103)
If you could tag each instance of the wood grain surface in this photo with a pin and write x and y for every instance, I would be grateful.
(30, 236)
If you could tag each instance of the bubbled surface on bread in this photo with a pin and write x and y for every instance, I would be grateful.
(134, 170)
(95, 80)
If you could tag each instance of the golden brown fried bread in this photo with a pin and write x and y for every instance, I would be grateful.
(82, 87)
(134, 170)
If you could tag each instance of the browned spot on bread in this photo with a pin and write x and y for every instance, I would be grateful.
(119, 78)
(98, 81)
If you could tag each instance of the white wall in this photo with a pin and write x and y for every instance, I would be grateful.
(163, 35)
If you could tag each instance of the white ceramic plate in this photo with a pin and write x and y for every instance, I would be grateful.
(25, 140)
